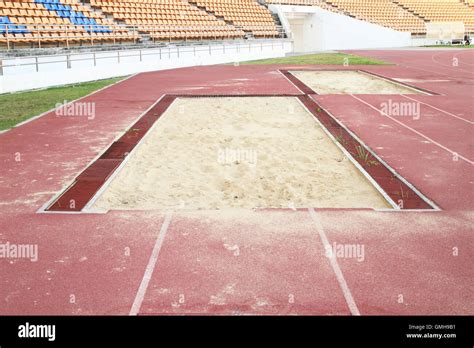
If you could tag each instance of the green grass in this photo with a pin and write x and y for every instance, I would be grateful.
(320, 59)
(18, 107)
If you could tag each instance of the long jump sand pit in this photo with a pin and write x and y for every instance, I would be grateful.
(349, 82)
(238, 152)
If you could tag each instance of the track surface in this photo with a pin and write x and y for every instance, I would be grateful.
(254, 262)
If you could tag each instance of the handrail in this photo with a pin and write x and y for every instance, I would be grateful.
(70, 33)
(70, 58)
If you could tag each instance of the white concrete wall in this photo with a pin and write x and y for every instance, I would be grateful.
(21, 73)
(315, 29)
(301, 43)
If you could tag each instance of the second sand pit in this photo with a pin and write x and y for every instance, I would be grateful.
(349, 82)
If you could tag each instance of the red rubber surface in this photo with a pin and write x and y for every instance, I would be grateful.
(86, 185)
(396, 189)
(94, 177)
(407, 253)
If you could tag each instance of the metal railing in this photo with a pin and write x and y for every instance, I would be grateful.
(68, 35)
(159, 53)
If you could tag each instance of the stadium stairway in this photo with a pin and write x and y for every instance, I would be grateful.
(277, 21)
(212, 13)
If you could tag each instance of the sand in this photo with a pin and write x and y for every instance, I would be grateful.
(246, 152)
(349, 82)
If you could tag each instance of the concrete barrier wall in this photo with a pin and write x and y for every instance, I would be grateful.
(45, 71)
(315, 29)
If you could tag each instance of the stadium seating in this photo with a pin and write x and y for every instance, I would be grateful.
(442, 11)
(402, 15)
(167, 19)
(80, 22)
(247, 14)
(382, 12)
(319, 3)
(45, 22)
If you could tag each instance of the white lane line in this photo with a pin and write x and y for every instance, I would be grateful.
(443, 111)
(151, 266)
(335, 266)
(463, 62)
(431, 71)
(448, 66)
(286, 77)
(454, 153)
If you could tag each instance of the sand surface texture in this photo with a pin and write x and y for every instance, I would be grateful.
(349, 82)
(246, 152)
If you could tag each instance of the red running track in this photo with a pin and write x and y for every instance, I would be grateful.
(254, 262)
